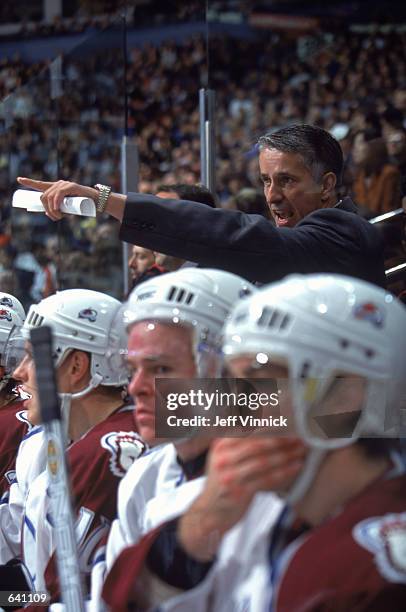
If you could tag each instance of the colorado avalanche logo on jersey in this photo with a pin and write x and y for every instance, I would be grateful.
(6, 301)
(125, 447)
(5, 314)
(22, 416)
(88, 313)
(385, 538)
(368, 311)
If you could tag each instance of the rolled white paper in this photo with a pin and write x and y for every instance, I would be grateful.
(73, 205)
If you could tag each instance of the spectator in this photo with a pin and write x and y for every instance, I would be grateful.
(182, 191)
(250, 201)
(377, 183)
(396, 146)
(143, 266)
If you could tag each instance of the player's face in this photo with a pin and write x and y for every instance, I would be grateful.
(155, 351)
(247, 366)
(141, 259)
(25, 374)
(290, 189)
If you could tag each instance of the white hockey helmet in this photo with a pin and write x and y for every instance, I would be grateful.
(84, 320)
(200, 298)
(9, 320)
(9, 301)
(324, 326)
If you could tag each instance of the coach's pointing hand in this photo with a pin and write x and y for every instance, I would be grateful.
(55, 192)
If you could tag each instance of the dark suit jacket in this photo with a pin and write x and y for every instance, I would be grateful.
(333, 240)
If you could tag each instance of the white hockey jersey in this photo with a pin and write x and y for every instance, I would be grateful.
(153, 491)
(30, 462)
(239, 580)
(97, 462)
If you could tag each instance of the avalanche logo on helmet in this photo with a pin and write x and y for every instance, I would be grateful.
(6, 301)
(368, 311)
(88, 313)
(125, 447)
(4, 314)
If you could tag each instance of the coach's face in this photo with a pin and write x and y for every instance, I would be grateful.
(290, 190)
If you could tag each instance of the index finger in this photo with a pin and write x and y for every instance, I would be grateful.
(34, 184)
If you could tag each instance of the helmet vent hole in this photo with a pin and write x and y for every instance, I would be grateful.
(344, 343)
(369, 353)
(305, 370)
(171, 293)
(273, 318)
(265, 317)
(285, 321)
(35, 319)
(180, 296)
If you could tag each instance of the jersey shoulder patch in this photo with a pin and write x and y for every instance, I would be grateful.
(125, 447)
(21, 415)
(385, 537)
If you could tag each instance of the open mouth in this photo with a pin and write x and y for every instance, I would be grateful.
(281, 218)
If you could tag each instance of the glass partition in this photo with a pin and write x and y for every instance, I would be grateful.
(67, 121)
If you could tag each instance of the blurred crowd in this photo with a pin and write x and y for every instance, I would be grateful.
(67, 120)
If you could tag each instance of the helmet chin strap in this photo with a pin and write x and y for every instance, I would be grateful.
(66, 401)
(303, 482)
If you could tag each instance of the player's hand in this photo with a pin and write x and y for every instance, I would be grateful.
(244, 466)
(237, 469)
(54, 193)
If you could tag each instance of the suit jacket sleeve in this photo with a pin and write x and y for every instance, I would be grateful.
(328, 240)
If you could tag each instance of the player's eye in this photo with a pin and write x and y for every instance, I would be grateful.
(162, 369)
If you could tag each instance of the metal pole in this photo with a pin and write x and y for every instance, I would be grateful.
(59, 487)
(129, 157)
(129, 182)
(211, 150)
(207, 138)
(203, 137)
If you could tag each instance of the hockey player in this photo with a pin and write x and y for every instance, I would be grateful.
(13, 418)
(339, 543)
(152, 561)
(99, 423)
(175, 323)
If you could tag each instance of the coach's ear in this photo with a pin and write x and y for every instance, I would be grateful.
(328, 183)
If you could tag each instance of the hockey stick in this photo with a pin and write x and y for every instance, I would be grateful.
(59, 489)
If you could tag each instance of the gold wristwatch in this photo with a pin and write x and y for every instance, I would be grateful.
(104, 192)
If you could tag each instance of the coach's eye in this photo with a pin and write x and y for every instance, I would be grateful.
(287, 180)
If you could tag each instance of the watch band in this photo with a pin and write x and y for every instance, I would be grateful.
(104, 192)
